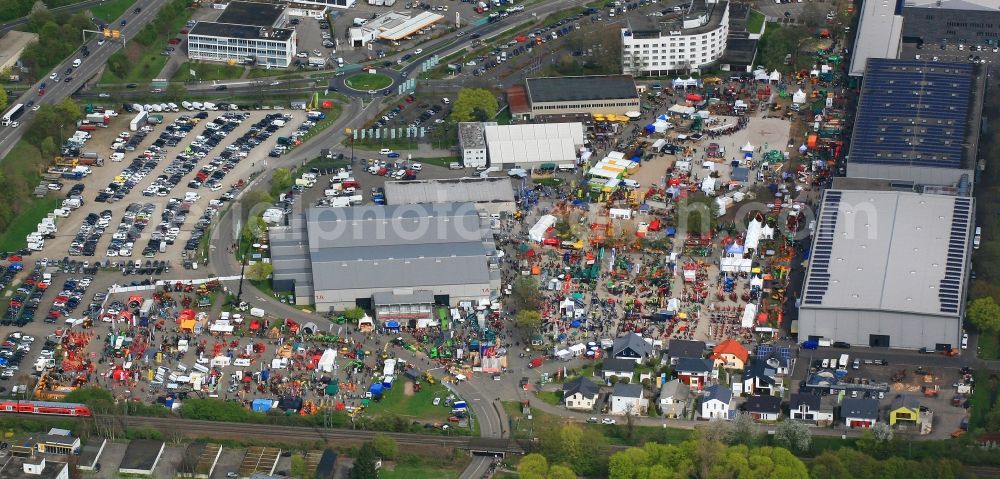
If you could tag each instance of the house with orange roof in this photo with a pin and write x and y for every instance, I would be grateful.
(730, 354)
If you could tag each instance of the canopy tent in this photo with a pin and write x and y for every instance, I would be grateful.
(537, 232)
(776, 76)
(661, 126)
(708, 185)
(685, 83)
(756, 231)
(735, 265)
(735, 249)
(747, 147)
(659, 144)
(761, 75)
(799, 97)
(633, 114)
(681, 110)
(366, 323)
(748, 315)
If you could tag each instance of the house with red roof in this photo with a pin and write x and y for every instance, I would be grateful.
(730, 354)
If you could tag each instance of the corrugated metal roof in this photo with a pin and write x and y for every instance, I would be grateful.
(534, 143)
(477, 190)
(880, 30)
(556, 89)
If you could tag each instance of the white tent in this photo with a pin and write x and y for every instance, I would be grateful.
(537, 232)
(684, 83)
(577, 349)
(735, 265)
(761, 75)
(756, 231)
(708, 185)
(799, 97)
(749, 313)
(659, 144)
(366, 321)
(681, 110)
(674, 305)
(775, 76)
(661, 126)
(747, 147)
(326, 360)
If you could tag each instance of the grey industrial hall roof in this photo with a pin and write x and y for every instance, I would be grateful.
(246, 32)
(397, 246)
(476, 190)
(141, 454)
(892, 251)
(581, 88)
(880, 30)
(916, 113)
(252, 13)
(382, 298)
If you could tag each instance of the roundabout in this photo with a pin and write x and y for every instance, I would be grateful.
(365, 82)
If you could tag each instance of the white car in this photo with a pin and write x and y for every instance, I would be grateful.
(418, 51)
(54, 75)
(35, 107)
(316, 52)
(608, 421)
(384, 151)
(965, 340)
(302, 54)
(416, 166)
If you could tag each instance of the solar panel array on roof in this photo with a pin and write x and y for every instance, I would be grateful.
(818, 281)
(913, 113)
(958, 239)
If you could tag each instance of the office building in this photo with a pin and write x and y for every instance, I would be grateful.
(246, 33)
(677, 42)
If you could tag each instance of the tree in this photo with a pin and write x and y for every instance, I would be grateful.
(745, 430)
(259, 271)
(385, 446)
(48, 146)
(474, 104)
(559, 471)
(281, 180)
(298, 466)
(793, 435)
(828, 466)
(3, 98)
(533, 466)
(364, 464)
(175, 92)
(984, 314)
(528, 320)
(354, 314)
(69, 110)
(524, 294)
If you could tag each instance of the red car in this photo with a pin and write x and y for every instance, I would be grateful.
(550, 241)
(174, 41)
(41, 92)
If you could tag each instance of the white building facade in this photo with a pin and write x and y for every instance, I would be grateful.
(240, 43)
(689, 41)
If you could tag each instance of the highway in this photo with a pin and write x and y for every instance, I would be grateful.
(56, 91)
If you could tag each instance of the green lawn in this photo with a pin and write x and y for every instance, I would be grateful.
(980, 400)
(146, 62)
(552, 397)
(110, 10)
(756, 22)
(368, 81)
(25, 159)
(989, 346)
(418, 406)
(207, 71)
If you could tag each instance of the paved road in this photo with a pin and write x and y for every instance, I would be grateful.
(55, 91)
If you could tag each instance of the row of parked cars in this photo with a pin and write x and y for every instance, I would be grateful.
(12, 352)
(130, 229)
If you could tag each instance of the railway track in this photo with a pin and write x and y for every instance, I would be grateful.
(170, 426)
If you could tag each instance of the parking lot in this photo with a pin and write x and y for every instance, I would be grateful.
(171, 177)
(428, 112)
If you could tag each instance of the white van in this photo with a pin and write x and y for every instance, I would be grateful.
(186, 105)
(210, 106)
(173, 106)
(630, 183)
(77, 62)
(198, 105)
(566, 167)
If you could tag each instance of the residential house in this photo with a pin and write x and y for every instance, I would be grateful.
(859, 412)
(730, 354)
(809, 408)
(631, 346)
(758, 379)
(622, 368)
(904, 408)
(628, 399)
(580, 393)
(696, 373)
(675, 397)
(780, 364)
(764, 408)
(683, 348)
(717, 402)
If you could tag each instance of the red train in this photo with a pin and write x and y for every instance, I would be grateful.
(44, 407)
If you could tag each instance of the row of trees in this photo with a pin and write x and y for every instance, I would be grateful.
(121, 63)
(58, 37)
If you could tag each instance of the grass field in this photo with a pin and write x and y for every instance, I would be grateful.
(111, 9)
(552, 397)
(146, 61)
(989, 346)
(443, 162)
(418, 406)
(756, 22)
(368, 81)
(982, 399)
(24, 159)
(207, 71)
